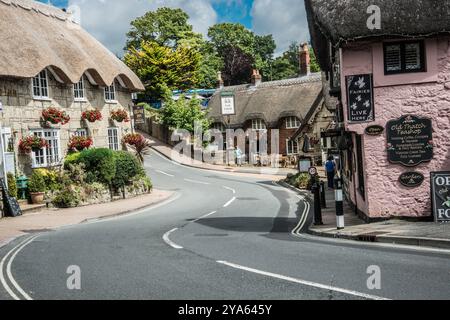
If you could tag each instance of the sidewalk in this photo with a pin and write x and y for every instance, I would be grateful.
(427, 234)
(168, 152)
(48, 219)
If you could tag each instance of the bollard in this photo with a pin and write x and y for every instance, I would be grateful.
(317, 206)
(339, 204)
(323, 199)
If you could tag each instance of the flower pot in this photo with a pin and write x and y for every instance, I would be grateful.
(37, 197)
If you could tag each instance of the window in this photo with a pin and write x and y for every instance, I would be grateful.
(292, 123)
(40, 85)
(360, 159)
(258, 124)
(404, 57)
(78, 90)
(81, 133)
(113, 139)
(51, 155)
(110, 93)
(292, 147)
(219, 127)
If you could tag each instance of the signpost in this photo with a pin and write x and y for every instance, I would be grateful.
(410, 140)
(440, 191)
(360, 102)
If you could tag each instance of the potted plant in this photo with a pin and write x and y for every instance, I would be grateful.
(54, 116)
(77, 143)
(36, 187)
(32, 143)
(120, 115)
(92, 116)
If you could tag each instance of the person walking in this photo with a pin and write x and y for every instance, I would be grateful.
(330, 168)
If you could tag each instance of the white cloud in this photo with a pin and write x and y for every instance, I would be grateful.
(109, 20)
(285, 19)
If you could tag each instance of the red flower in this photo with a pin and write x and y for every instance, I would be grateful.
(55, 116)
(92, 115)
(33, 142)
(77, 143)
(120, 116)
(133, 139)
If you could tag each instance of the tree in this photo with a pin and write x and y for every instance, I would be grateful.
(238, 66)
(165, 26)
(159, 66)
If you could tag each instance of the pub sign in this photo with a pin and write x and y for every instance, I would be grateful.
(440, 191)
(139, 114)
(360, 102)
(410, 140)
(228, 104)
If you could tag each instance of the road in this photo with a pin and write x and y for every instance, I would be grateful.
(221, 236)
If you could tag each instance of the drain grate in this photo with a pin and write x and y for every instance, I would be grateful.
(370, 237)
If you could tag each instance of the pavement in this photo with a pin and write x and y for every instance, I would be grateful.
(168, 152)
(223, 236)
(47, 219)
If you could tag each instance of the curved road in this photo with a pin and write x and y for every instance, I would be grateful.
(221, 236)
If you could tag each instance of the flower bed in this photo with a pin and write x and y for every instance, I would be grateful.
(92, 116)
(120, 115)
(54, 116)
(77, 143)
(32, 143)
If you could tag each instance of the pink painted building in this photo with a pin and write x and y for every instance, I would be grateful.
(393, 87)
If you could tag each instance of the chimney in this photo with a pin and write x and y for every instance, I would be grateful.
(305, 61)
(256, 78)
(220, 82)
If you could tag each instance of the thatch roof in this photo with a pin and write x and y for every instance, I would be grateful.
(270, 101)
(340, 21)
(35, 36)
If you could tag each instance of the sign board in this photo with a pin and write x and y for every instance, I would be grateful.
(139, 114)
(440, 192)
(11, 206)
(228, 104)
(410, 140)
(312, 171)
(360, 102)
(411, 179)
(304, 165)
(374, 130)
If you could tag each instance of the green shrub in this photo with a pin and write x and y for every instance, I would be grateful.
(99, 164)
(127, 167)
(51, 179)
(36, 183)
(300, 180)
(72, 158)
(67, 198)
(12, 185)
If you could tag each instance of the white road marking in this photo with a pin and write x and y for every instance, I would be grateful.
(169, 242)
(303, 282)
(165, 173)
(196, 181)
(205, 216)
(229, 202)
(230, 189)
(8, 289)
(303, 219)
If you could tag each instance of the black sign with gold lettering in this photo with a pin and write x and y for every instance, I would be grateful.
(410, 140)
(412, 179)
(360, 98)
(374, 130)
(440, 192)
(139, 114)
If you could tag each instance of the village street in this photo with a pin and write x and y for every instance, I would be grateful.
(221, 236)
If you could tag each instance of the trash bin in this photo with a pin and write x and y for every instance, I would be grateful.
(22, 186)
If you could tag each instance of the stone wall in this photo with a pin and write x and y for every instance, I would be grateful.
(22, 113)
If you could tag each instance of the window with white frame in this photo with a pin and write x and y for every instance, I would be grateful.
(78, 91)
(258, 124)
(40, 85)
(81, 133)
(113, 139)
(219, 127)
(292, 147)
(51, 155)
(292, 123)
(110, 93)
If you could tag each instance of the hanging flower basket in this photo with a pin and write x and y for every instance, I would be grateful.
(92, 116)
(54, 116)
(32, 143)
(120, 115)
(77, 143)
(133, 139)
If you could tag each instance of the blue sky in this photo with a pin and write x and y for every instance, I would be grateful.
(109, 20)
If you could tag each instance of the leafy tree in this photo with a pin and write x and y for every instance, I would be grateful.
(165, 26)
(159, 66)
(182, 114)
(238, 66)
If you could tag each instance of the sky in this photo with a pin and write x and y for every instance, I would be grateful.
(109, 20)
